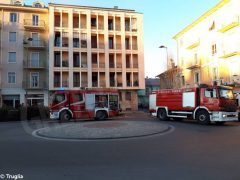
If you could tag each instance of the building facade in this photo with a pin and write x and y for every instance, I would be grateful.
(23, 53)
(92, 47)
(65, 47)
(209, 48)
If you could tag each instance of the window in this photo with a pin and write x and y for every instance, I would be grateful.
(12, 36)
(196, 58)
(57, 59)
(11, 77)
(128, 96)
(214, 49)
(127, 43)
(12, 57)
(35, 19)
(210, 93)
(182, 61)
(13, 17)
(212, 27)
(58, 98)
(110, 42)
(196, 78)
(215, 73)
(93, 22)
(35, 59)
(34, 79)
(38, 5)
(183, 81)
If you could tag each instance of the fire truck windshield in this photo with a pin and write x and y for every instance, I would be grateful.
(58, 98)
(226, 93)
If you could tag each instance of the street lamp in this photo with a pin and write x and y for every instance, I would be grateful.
(164, 47)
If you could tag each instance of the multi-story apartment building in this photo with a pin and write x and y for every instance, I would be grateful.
(209, 48)
(23, 53)
(91, 47)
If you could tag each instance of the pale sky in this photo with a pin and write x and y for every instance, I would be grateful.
(162, 20)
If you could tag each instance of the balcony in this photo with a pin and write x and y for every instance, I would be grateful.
(229, 24)
(33, 65)
(230, 54)
(193, 45)
(32, 25)
(57, 84)
(34, 85)
(193, 65)
(35, 44)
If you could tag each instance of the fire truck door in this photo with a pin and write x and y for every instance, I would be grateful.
(77, 106)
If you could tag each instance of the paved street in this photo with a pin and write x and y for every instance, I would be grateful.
(189, 151)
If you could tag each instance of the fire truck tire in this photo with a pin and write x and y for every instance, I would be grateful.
(65, 116)
(203, 117)
(101, 115)
(162, 115)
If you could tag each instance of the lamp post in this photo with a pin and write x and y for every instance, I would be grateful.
(164, 47)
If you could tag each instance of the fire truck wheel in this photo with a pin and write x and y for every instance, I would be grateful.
(101, 115)
(65, 116)
(162, 115)
(203, 117)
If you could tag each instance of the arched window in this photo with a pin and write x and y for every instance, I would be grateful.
(37, 5)
(18, 3)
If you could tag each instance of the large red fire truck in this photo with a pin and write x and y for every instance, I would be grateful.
(80, 104)
(204, 103)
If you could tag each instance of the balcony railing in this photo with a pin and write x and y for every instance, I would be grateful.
(101, 65)
(30, 24)
(112, 83)
(94, 84)
(84, 84)
(101, 45)
(119, 84)
(57, 84)
(102, 84)
(34, 85)
(33, 65)
(35, 44)
(76, 83)
(65, 64)
(65, 83)
(84, 65)
(231, 23)
(193, 65)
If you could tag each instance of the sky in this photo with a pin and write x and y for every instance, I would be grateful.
(162, 20)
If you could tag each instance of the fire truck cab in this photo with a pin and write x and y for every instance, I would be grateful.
(82, 104)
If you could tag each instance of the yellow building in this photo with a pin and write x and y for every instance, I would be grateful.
(23, 53)
(91, 47)
(209, 48)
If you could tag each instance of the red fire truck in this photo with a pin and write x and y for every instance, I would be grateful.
(204, 103)
(80, 104)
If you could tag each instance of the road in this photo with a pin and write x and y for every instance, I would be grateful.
(191, 151)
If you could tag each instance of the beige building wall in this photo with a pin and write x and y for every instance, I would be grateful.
(209, 48)
(22, 89)
(96, 48)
